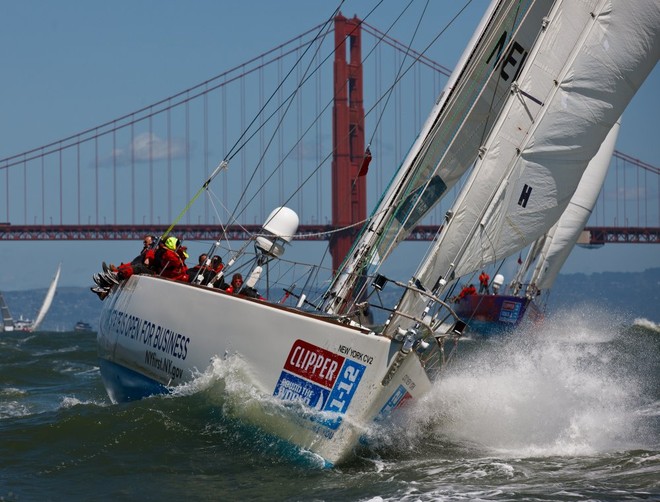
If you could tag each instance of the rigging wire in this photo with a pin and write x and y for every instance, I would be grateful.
(287, 103)
(272, 138)
(289, 99)
(303, 81)
(405, 56)
(295, 145)
(230, 155)
(234, 149)
(231, 152)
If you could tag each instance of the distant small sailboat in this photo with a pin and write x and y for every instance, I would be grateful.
(7, 320)
(22, 324)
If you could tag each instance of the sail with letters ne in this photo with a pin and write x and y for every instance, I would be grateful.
(323, 372)
(499, 310)
(589, 60)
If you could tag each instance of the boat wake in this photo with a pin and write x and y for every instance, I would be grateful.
(227, 383)
(578, 386)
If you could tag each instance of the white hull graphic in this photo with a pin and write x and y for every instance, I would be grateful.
(297, 357)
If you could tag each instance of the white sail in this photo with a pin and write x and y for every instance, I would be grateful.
(588, 63)
(450, 139)
(7, 319)
(50, 294)
(562, 238)
(551, 250)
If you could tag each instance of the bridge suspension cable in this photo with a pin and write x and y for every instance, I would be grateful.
(130, 171)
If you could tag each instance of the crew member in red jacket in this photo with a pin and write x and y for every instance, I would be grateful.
(484, 286)
(171, 265)
(467, 291)
(236, 284)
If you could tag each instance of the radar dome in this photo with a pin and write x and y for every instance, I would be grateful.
(280, 227)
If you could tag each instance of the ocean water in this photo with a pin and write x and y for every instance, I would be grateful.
(568, 411)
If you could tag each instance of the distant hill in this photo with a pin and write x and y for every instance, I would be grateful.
(631, 294)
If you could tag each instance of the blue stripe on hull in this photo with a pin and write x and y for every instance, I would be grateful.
(125, 385)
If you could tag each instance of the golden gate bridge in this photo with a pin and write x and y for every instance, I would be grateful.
(131, 175)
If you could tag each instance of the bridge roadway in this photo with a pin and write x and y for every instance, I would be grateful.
(9, 232)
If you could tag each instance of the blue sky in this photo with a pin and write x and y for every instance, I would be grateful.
(70, 65)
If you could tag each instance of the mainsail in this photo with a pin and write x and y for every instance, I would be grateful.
(449, 140)
(589, 61)
(50, 294)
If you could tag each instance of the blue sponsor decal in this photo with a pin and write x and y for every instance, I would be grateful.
(510, 312)
(335, 400)
(392, 403)
(343, 391)
(292, 388)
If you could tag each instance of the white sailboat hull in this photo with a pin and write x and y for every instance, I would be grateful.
(155, 334)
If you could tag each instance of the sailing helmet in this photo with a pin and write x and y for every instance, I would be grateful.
(170, 243)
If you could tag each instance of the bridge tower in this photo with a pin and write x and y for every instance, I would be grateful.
(349, 192)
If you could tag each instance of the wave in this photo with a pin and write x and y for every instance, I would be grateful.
(578, 386)
(254, 415)
(647, 324)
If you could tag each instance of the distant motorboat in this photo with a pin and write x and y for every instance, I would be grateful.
(82, 327)
(23, 324)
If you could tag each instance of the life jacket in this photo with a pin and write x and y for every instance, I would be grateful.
(172, 267)
(157, 263)
(124, 271)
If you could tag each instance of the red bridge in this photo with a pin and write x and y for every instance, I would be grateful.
(133, 174)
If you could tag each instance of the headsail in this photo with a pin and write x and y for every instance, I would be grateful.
(50, 294)
(589, 61)
(450, 139)
(562, 238)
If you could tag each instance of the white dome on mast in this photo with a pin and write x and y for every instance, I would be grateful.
(280, 227)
